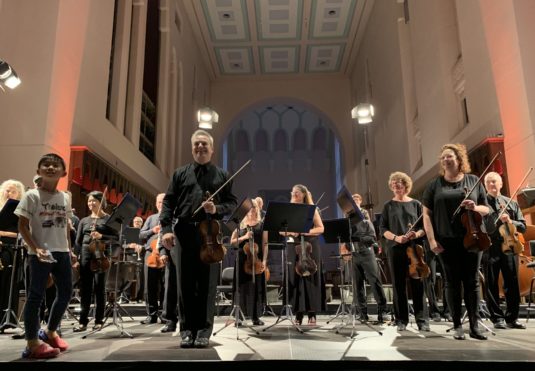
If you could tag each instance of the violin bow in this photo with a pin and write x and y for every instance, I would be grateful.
(411, 228)
(220, 188)
(475, 185)
(513, 195)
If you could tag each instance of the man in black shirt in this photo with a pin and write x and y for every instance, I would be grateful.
(196, 281)
(496, 260)
(365, 265)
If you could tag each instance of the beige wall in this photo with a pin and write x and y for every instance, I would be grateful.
(61, 51)
(482, 31)
(329, 97)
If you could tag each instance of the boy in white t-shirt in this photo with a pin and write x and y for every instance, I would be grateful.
(43, 223)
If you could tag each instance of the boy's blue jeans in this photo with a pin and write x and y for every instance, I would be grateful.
(62, 273)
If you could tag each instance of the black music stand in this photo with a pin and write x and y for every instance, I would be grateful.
(9, 223)
(287, 217)
(236, 316)
(336, 231)
(121, 216)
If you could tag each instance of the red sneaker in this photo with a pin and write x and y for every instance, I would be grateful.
(42, 351)
(56, 342)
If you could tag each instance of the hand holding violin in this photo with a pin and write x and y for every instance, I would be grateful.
(468, 204)
(168, 240)
(96, 235)
(505, 218)
(209, 207)
(435, 246)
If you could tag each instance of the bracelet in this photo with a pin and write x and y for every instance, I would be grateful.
(394, 239)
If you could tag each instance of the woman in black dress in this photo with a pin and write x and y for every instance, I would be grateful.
(306, 292)
(445, 233)
(252, 294)
(398, 215)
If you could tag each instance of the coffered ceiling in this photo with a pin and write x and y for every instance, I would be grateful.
(277, 38)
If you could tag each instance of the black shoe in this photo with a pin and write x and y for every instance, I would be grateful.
(436, 317)
(448, 317)
(402, 326)
(299, 318)
(18, 336)
(80, 328)
(187, 342)
(169, 327)
(380, 318)
(364, 317)
(500, 324)
(201, 342)
(458, 333)
(516, 324)
(424, 327)
(149, 320)
(258, 322)
(475, 334)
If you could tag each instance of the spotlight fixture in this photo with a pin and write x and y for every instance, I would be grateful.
(363, 113)
(206, 117)
(8, 76)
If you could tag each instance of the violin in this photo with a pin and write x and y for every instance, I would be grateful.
(418, 268)
(475, 238)
(154, 260)
(305, 264)
(511, 237)
(252, 265)
(212, 249)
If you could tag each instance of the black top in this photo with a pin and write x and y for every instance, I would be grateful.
(397, 216)
(363, 233)
(83, 236)
(512, 209)
(443, 198)
(186, 190)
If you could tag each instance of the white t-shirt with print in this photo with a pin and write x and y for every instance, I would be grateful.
(48, 214)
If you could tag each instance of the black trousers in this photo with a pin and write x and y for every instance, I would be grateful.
(197, 283)
(461, 269)
(170, 300)
(91, 282)
(399, 266)
(154, 288)
(494, 261)
(365, 268)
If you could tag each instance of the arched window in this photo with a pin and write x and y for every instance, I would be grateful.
(300, 140)
(242, 140)
(261, 140)
(319, 138)
(280, 142)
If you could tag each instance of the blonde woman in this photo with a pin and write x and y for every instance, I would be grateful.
(307, 292)
(252, 295)
(10, 189)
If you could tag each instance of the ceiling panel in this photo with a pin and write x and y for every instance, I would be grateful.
(270, 37)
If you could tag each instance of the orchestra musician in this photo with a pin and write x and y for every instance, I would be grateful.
(9, 189)
(401, 214)
(92, 281)
(252, 294)
(364, 264)
(197, 281)
(154, 277)
(445, 234)
(496, 260)
(306, 291)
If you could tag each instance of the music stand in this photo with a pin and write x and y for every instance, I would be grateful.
(236, 316)
(131, 235)
(335, 231)
(9, 223)
(122, 215)
(287, 217)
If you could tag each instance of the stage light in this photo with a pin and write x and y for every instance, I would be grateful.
(8, 76)
(206, 117)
